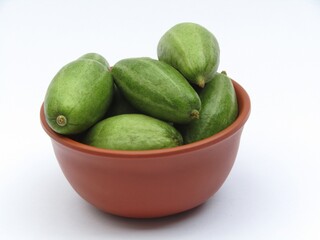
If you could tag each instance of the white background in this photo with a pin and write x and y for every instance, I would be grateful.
(272, 48)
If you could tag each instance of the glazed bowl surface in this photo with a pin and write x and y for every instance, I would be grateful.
(151, 183)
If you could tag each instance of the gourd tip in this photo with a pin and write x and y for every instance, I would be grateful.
(201, 82)
(195, 114)
(61, 120)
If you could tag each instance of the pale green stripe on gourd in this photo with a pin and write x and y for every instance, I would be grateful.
(191, 49)
(219, 109)
(157, 89)
(133, 132)
(97, 57)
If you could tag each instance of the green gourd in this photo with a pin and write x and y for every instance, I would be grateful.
(219, 109)
(132, 132)
(78, 96)
(157, 89)
(191, 49)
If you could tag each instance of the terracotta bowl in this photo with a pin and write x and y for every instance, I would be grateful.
(152, 183)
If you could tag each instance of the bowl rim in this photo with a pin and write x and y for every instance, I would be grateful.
(244, 112)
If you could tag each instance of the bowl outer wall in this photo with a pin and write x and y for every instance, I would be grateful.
(153, 183)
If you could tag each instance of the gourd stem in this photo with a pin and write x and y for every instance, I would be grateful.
(195, 114)
(201, 82)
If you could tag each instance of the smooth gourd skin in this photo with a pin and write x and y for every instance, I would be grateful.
(132, 132)
(219, 109)
(81, 93)
(191, 49)
(156, 89)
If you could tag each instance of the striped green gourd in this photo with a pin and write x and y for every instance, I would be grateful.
(132, 132)
(78, 96)
(191, 49)
(219, 109)
(157, 89)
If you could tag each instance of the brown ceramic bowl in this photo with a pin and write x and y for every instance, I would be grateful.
(151, 183)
